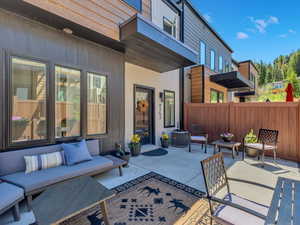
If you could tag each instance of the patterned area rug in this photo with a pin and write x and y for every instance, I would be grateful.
(151, 199)
(156, 152)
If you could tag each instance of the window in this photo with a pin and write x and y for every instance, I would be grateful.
(169, 26)
(216, 96)
(137, 4)
(28, 110)
(67, 105)
(169, 109)
(212, 60)
(202, 53)
(97, 104)
(220, 63)
(227, 67)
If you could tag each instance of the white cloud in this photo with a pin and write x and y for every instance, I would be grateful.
(208, 17)
(262, 24)
(241, 35)
(283, 35)
(292, 31)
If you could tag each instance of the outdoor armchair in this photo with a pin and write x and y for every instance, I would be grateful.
(267, 141)
(197, 135)
(232, 209)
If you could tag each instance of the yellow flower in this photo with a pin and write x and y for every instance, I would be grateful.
(135, 139)
(165, 136)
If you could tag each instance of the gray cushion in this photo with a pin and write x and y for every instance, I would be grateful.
(9, 194)
(259, 146)
(13, 161)
(42, 178)
(236, 216)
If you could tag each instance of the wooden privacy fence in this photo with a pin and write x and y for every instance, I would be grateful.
(239, 118)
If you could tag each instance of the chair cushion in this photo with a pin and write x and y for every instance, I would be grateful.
(42, 178)
(236, 216)
(9, 194)
(198, 138)
(259, 146)
(76, 152)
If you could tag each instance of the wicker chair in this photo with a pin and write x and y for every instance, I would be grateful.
(232, 209)
(198, 136)
(267, 141)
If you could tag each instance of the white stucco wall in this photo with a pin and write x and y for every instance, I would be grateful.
(160, 82)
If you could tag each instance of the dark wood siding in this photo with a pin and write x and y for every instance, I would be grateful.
(25, 37)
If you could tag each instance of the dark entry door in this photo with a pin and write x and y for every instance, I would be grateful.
(144, 114)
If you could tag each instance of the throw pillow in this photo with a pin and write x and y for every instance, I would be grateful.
(43, 161)
(76, 152)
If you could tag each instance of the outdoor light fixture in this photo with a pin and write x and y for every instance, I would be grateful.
(67, 30)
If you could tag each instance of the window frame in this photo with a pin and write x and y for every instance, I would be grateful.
(173, 24)
(174, 93)
(212, 64)
(221, 63)
(107, 104)
(8, 93)
(200, 56)
(218, 96)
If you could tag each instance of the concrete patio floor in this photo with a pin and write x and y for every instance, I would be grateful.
(185, 167)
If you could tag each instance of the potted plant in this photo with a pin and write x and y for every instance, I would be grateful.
(135, 145)
(19, 125)
(227, 137)
(164, 139)
(122, 153)
(251, 138)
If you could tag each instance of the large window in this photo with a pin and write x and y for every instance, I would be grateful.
(212, 60)
(169, 109)
(220, 63)
(216, 96)
(169, 26)
(97, 104)
(67, 105)
(202, 53)
(28, 108)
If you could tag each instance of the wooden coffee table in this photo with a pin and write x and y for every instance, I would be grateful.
(65, 200)
(234, 146)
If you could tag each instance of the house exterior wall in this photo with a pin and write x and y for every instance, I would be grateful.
(29, 39)
(135, 75)
(103, 16)
(195, 30)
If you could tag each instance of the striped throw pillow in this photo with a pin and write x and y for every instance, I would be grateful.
(43, 161)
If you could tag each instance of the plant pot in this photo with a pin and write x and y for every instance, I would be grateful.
(251, 152)
(135, 149)
(126, 158)
(164, 143)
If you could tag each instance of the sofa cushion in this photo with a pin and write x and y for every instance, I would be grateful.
(9, 194)
(43, 178)
(13, 161)
(236, 216)
(76, 152)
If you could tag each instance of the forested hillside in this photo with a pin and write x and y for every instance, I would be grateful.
(284, 68)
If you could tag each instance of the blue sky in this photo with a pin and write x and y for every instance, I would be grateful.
(257, 29)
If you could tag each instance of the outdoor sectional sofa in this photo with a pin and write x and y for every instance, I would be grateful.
(12, 168)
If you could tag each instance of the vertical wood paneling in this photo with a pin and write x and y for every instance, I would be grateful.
(239, 118)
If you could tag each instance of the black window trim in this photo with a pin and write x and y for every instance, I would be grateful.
(173, 92)
(174, 26)
(9, 96)
(107, 104)
(218, 95)
(6, 98)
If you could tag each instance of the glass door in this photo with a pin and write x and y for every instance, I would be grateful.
(144, 114)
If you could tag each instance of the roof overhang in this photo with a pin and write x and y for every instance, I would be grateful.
(149, 46)
(245, 94)
(232, 80)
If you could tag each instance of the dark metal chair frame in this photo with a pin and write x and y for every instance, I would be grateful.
(215, 179)
(265, 137)
(197, 131)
